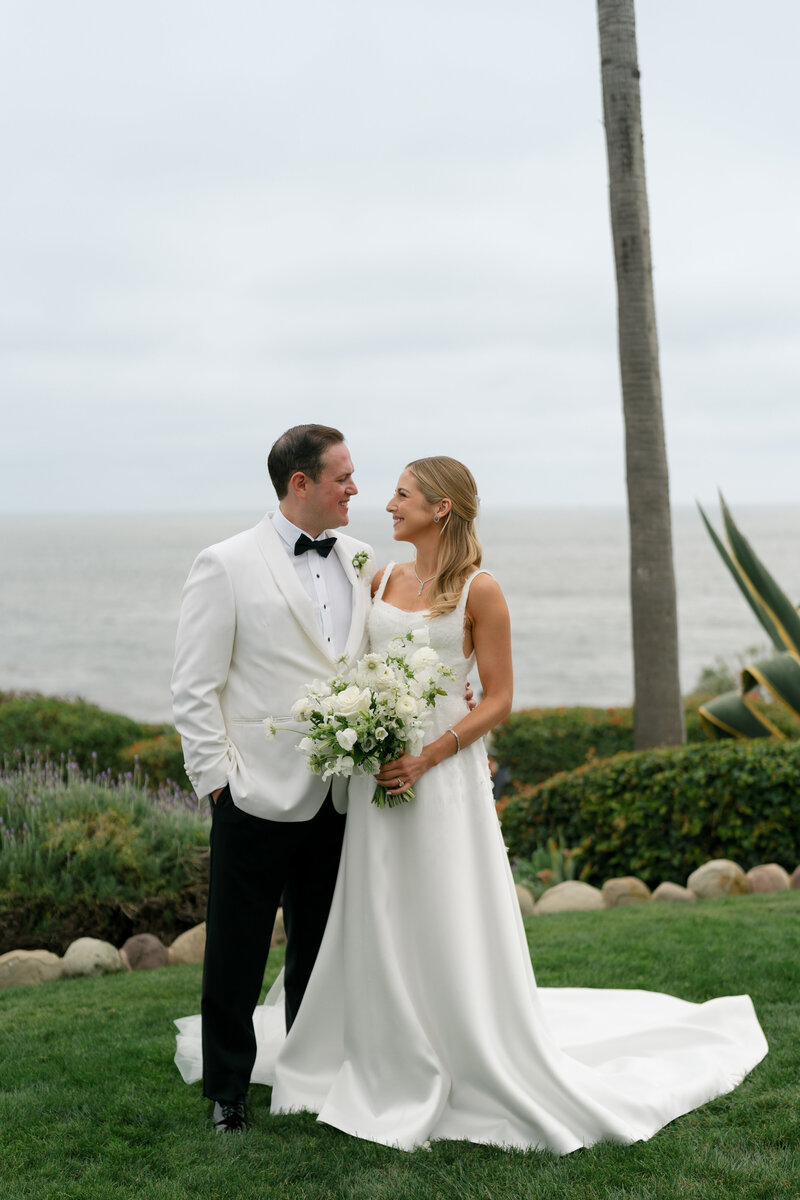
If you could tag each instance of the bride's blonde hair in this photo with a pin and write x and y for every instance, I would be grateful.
(442, 478)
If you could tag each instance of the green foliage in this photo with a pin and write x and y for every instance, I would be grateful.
(158, 759)
(72, 731)
(81, 732)
(661, 813)
(550, 863)
(736, 713)
(536, 743)
(72, 846)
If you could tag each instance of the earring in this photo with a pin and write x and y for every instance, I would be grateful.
(436, 520)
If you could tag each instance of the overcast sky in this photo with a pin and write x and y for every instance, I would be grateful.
(220, 219)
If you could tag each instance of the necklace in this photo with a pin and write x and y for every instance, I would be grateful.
(422, 582)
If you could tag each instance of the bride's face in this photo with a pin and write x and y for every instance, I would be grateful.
(410, 511)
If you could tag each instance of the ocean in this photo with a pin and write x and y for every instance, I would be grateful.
(89, 603)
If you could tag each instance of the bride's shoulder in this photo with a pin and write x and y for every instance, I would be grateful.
(485, 593)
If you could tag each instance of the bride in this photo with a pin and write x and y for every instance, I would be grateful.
(422, 1018)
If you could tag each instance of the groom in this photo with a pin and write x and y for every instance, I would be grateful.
(262, 614)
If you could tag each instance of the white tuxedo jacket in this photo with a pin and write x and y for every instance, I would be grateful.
(248, 639)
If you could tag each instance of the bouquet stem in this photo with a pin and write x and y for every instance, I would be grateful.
(383, 800)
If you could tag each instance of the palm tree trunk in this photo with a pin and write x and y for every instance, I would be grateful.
(658, 718)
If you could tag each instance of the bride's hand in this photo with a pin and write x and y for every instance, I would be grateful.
(403, 773)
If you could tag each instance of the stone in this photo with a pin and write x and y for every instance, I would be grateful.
(675, 892)
(627, 889)
(189, 947)
(526, 901)
(570, 896)
(718, 877)
(90, 956)
(769, 877)
(796, 878)
(23, 968)
(144, 951)
(278, 931)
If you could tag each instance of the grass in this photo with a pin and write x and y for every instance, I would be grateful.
(92, 1107)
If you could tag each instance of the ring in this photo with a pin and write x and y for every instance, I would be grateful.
(399, 782)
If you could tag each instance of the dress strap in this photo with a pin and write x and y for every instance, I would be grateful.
(387, 570)
(462, 600)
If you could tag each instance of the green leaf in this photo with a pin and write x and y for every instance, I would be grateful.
(728, 716)
(771, 597)
(780, 674)
(741, 582)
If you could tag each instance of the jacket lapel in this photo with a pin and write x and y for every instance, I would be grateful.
(359, 582)
(285, 576)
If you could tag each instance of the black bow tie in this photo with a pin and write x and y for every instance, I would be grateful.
(323, 546)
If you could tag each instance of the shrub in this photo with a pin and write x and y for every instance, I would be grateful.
(157, 759)
(536, 743)
(661, 813)
(112, 858)
(72, 728)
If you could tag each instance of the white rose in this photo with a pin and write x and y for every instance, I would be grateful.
(350, 701)
(347, 738)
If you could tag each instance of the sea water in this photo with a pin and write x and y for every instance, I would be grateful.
(89, 604)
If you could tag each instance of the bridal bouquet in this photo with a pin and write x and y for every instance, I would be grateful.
(372, 713)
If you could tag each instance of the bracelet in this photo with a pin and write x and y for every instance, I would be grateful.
(455, 735)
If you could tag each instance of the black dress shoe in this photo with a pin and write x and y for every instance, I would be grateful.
(229, 1118)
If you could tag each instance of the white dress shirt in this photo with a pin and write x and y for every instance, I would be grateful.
(324, 580)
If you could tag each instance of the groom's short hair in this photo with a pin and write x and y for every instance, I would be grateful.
(301, 448)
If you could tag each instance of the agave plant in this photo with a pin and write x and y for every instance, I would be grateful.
(735, 714)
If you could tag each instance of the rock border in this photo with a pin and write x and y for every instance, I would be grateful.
(717, 878)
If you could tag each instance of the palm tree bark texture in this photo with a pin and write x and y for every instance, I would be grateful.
(658, 711)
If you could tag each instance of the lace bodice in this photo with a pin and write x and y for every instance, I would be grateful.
(446, 635)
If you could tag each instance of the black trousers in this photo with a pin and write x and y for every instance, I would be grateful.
(255, 862)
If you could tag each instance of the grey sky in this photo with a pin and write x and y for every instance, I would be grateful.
(217, 220)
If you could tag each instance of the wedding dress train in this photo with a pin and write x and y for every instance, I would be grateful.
(422, 1018)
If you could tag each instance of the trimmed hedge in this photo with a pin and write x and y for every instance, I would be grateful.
(660, 813)
(536, 743)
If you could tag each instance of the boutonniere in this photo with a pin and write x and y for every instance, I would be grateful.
(360, 560)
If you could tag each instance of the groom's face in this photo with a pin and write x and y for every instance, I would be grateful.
(329, 495)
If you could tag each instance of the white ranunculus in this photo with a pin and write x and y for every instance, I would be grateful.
(302, 709)
(347, 738)
(424, 657)
(406, 706)
(318, 688)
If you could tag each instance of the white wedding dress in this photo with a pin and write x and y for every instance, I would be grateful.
(422, 1018)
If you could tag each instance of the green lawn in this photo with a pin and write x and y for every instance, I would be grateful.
(92, 1106)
